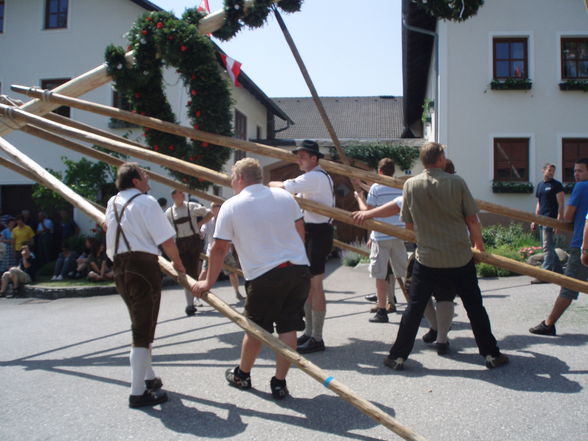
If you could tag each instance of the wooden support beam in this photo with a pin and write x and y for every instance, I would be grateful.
(265, 150)
(251, 328)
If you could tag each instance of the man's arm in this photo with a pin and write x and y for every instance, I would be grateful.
(360, 198)
(560, 204)
(475, 230)
(205, 219)
(299, 224)
(386, 210)
(171, 251)
(276, 184)
(569, 214)
(215, 263)
(585, 245)
(537, 208)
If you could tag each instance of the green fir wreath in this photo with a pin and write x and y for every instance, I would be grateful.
(158, 40)
(454, 10)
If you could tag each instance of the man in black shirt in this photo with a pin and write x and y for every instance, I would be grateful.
(20, 275)
(550, 202)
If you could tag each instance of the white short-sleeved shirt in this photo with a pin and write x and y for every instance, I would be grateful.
(260, 221)
(315, 185)
(379, 195)
(196, 210)
(207, 232)
(143, 223)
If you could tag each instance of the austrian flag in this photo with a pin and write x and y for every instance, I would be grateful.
(204, 7)
(233, 68)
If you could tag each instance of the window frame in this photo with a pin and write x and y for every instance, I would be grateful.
(240, 122)
(2, 15)
(562, 40)
(563, 141)
(511, 138)
(47, 14)
(511, 39)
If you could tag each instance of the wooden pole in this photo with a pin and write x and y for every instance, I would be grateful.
(273, 152)
(251, 328)
(98, 76)
(311, 88)
(332, 212)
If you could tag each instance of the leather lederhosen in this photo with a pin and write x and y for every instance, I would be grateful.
(189, 247)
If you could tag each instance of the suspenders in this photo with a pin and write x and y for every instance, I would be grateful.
(182, 220)
(331, 185)
(119, 229)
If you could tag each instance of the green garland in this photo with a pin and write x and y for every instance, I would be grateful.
(454, 10)
(404, 156)
(512, 187)
(158, 39)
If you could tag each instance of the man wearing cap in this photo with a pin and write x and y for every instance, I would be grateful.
(135, 227)
(315, 185)
(184, 217)
(265, 226)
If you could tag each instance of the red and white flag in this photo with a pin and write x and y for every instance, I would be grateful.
(233, 68)
(204, 7)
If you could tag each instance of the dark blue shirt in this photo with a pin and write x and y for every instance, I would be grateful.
(546, 193)
(579, 199)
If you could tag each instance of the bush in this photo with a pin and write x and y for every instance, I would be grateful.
(351, 258)
(512, 235)
(486, 270)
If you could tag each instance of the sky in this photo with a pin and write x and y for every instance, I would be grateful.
(350, 48)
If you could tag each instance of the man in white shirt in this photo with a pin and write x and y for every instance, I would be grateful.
(135, 227)
(265, 226)
(315, 185)
(184, 217)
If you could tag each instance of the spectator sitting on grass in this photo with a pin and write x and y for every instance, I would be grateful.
(65, 264)
(99, 265)
(22, 274)
(82, 260)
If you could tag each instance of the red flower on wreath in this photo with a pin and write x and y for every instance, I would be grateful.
(156, 147)
(194, 76)
(149, 18)
(183, 48)
(137, 95)
(204, 144)
(196, 126)
(198, 113)
(194, 92)
(189, 103)
(200, 180)
(159, 25)
(144, 32)
(170, 37)
(171, 148)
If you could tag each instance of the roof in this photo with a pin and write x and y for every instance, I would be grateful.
(244, 79)
(359, 117)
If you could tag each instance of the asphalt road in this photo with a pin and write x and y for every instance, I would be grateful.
(65, 373)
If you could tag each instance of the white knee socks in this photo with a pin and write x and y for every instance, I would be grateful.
(139, 361)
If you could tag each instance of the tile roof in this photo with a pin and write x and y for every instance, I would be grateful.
(366, 117)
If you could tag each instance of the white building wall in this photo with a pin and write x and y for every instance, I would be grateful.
(31, 53)
(471, 114)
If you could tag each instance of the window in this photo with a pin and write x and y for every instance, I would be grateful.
(511, 159)
(1, 16)
(574, 58)
(240, 132)
(572, 149)
(52, 84)
(56, 14)
(510, 58)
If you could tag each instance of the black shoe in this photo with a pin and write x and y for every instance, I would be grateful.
(237, 379)
(154, 384)
(302, 339)
(239, 296)
(311, 345)
(379, 317)
(442, 348)
(496, 361)
(190, 310)
(396, 364)
(279, 389)
(430, 336)
(149, 398)
(543, 329)
(371, 298)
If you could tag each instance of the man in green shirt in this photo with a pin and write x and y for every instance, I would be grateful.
(440, 209)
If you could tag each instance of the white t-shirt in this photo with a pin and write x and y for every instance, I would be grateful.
(207, 233)
(260, 223)
(379, 195)
(314, 185)
(144, 224)
(196, 210)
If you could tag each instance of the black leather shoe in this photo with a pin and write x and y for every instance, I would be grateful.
(371, 298)
(379, 317)
(442, 348)
(543, 329)
(279, 388)
(302, 339)
(190, 310)
(149, 398)
(154, 384)
(311, 345)
(430, 336)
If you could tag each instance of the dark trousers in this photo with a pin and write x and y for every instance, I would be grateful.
(189, 249)
(424, 282)
(138, 280)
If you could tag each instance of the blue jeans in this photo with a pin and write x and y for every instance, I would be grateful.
(465, 283)
(550, 260)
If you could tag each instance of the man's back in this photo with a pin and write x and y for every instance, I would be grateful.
(437, 204)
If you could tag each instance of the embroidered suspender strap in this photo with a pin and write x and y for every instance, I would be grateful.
(182, 220)
(119, 229)
(332, 188)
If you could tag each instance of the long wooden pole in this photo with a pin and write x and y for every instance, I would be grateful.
(332, 212)
(261, 149)
(256, 331)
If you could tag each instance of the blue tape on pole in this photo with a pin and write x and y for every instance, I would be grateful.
(328, 381)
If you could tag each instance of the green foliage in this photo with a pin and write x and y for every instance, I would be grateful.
(512, 187)
(46, 199)
(351, 258)
(513, 236)
(574, 85)
(403, 155)
(511, 84)
(486, 270)
(454, 10)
